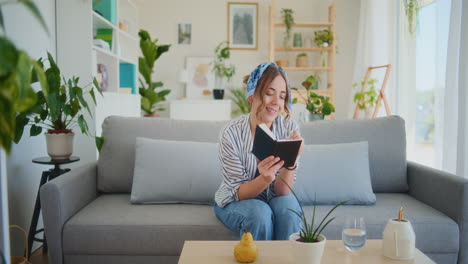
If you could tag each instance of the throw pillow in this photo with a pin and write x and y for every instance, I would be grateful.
(175, 172)
(334, 173)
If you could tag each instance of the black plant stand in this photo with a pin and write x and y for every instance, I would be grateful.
(46, 176)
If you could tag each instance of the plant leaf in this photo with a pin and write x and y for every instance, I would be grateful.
(1, 20)
(99, 143)
(83, 125)
(35, 130)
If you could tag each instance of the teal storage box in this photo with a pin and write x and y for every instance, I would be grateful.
(128, 76)
(108, 9)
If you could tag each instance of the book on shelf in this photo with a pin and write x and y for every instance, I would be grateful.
(265, 144)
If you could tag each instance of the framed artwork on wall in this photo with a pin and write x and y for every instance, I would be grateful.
(200, 78)
(184, 34)
(242, 25)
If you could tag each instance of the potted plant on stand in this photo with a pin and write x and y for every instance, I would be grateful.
(149, 96)
(288, 20)
(309, 243)
(221, 70)
(58, 109)
(366, 99)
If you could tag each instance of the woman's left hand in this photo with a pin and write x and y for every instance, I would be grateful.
(296, 136)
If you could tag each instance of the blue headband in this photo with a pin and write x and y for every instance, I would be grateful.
(257, 73)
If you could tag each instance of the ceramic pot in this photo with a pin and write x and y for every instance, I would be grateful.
(218, 94)
(282, 63)
(307, 253)
(399, 240)
(60, 145)
(315, 117)
(302, 61)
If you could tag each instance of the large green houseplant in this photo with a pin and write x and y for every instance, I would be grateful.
(58, 110)
(16, 93)
(366, 100)
(221, 69)
(150, 97)
(238, 97)
(318, 106)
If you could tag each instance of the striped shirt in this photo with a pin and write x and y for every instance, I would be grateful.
(238, 163)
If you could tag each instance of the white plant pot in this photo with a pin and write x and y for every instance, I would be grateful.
(307, 253)
(59, 146)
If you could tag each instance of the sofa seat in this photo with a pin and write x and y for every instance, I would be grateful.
(435, 232)
(110, 225)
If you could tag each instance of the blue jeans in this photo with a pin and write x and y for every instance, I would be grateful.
(266, 221)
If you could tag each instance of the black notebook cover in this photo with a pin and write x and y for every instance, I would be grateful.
(264, 146)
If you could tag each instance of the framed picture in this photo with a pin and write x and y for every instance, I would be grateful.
(242, 25)
(184, 35)
(200, 78)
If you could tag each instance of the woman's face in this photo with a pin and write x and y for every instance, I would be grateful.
(274, 99)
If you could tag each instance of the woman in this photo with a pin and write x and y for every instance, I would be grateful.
(250, 198)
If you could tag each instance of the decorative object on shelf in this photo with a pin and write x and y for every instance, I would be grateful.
(282, 63)
(323, 38)
(302, 60)
(184, 34)
(105, 34)
(20, 259)
(246, 251)
(238, 96)
(58, 109)
(309, 243)
(17, 96)
(399, 239)
(151, 52)
(107, 9)
(123, 25)
(242, 25)
(128, 76)
(220, 69)
(366, 99)
(201, 80)
(288, 20)
(412, 13)
(381, 94)
(103, 77)
(297, 40)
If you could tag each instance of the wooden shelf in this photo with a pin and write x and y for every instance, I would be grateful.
(306, 24)
(307, 68)
(303, 49)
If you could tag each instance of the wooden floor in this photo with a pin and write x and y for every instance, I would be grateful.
(38, 257)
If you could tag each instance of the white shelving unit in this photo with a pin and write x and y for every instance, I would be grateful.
(125, 43)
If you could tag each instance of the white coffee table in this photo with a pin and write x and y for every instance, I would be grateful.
(271, 252)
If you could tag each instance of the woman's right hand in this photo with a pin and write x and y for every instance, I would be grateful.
(268, 168)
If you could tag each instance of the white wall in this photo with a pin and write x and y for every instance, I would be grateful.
(209, 27)
(23, 175)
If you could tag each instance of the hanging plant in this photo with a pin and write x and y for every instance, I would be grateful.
(412, 13)
(288, 21)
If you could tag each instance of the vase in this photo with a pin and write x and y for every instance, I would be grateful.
(218, 94)
(315, 117)
(302, 61)
(297, 40)
(59, 145)
(307, 253)
(399, 240)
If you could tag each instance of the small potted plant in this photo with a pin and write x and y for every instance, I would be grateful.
(58, 109)
(366, 100)
(221, 70)
(317, 105)
(309, 243)
(312, 82)
(238, 97)
(323, 38)
(150, 97)
(302, 60)
(288, 20)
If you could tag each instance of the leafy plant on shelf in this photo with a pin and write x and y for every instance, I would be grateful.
(366, 99)
(16, 93)
(151, 51)
(315, 104)
(310, 233)
(59, 108)
(219, 66)
(241, 102)
(323, 38)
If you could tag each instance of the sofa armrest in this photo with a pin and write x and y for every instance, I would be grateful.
(61, 198)
(445, 192)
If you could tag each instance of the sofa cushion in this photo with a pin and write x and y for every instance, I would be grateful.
(117, 156)
(168, 171)
(387, 146)
(110, 225)
(334, 173)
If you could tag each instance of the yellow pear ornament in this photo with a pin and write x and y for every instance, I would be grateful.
(246, 251)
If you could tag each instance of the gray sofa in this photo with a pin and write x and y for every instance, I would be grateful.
(88, 216)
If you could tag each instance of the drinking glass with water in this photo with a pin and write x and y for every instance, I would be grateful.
(354, 233)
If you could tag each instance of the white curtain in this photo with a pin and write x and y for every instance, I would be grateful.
(453, 141)
(376, 44)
